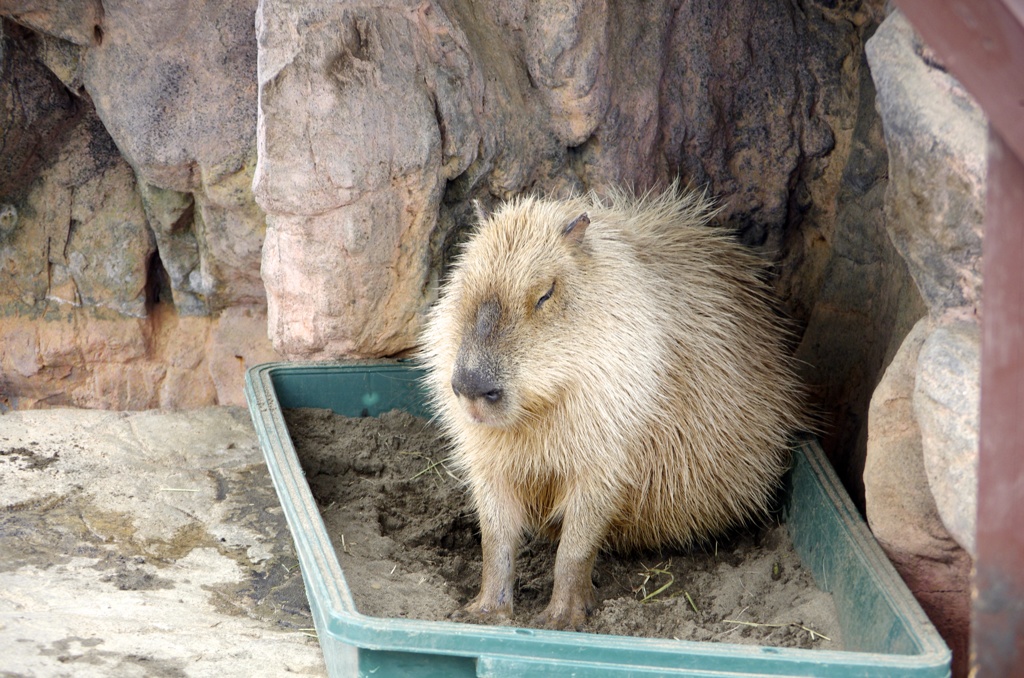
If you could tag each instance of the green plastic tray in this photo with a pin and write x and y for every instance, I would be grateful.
(883, 628)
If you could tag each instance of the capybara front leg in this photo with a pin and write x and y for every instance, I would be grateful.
(583, 530)
(501, 528)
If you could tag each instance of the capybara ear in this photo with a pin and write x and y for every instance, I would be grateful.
(481, 213)
(576, 228)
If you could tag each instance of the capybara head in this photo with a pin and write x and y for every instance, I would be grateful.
(506, 320)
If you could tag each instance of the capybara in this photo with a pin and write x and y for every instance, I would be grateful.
(611, 372)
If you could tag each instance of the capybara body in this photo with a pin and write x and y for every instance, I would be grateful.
(611, 372)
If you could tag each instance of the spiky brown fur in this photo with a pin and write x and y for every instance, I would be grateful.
(647, 400)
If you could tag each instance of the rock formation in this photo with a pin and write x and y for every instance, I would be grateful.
(129, 238)
(922, 454)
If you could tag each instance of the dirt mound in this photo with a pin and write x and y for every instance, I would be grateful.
(409, 546)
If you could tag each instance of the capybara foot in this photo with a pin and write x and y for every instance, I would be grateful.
(567, 615)
(477, 612)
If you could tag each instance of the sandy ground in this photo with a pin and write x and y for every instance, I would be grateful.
(153, 544)
(145, 544)
(409, 547)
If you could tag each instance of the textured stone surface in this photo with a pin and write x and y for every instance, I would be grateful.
(934, 207)
(238, 341)
(126, 204)
(35, 111)
(171, 217)
(76, 357)
(351, 168)
(933, 212)
(82, 208)
(901, 510)
(183, 122)
(187, 124)
(936, 136)
(175, 89)
(739, 116)
(565, 56)
(610, 94)
(842, 268)
(627, 139)
(947, 394)
(76, 21)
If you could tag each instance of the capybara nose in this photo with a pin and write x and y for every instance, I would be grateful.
(474, 384)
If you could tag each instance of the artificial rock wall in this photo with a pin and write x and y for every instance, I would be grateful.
(189, 188)
(129, 239)
(378, 124)
(189, 167)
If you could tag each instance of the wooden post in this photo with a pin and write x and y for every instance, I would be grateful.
(998, 622)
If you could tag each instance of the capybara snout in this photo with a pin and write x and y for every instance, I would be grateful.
(475, 383)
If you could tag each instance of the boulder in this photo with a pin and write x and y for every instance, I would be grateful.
(901, 510)
(937, 140)
(947, 394)
(936, 136)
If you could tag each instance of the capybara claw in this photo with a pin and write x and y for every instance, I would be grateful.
(563, 618)
(478, 613)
